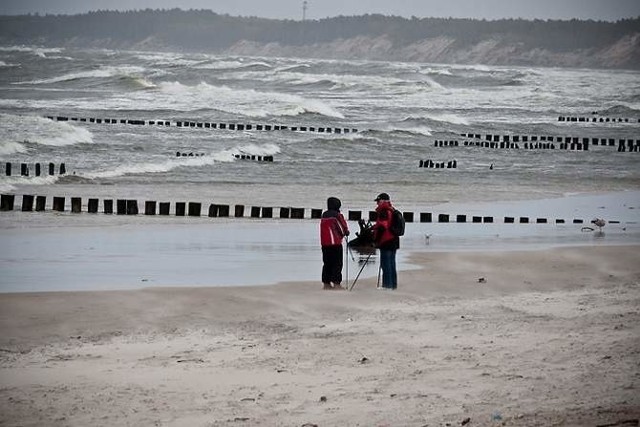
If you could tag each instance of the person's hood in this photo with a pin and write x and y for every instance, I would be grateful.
(333, 203)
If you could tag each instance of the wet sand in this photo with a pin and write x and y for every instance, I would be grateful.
(527, 338)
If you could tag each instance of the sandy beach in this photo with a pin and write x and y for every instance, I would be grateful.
(514, 308)
(531, 338)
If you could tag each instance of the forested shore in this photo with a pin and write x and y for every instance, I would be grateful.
(573, 43)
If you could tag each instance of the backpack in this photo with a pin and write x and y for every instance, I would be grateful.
(397, 223)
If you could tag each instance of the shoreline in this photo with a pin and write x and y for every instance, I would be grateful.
(69, 252)
(550, 337)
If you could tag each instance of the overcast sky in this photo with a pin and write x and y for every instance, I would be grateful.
(609, 10)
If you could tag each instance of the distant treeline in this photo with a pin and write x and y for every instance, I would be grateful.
(205, 30)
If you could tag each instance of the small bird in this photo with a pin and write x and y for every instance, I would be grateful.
(598, 222)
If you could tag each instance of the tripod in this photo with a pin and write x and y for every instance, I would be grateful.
(362, 268)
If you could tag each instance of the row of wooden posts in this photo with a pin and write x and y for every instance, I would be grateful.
(194, 209)
(597, 119)
(543, 142)
(237, 156)
(254, 157)
(208, 125)
(516, 146)
(450, 164)
(510, 141)
(610, 142)
(37, 168)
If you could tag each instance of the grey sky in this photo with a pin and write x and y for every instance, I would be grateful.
(609, 10)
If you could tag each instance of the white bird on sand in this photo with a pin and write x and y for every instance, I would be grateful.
(598, 222)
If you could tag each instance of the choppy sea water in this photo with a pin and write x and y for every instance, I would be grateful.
(399, 110)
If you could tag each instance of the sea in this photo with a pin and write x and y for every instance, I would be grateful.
(192, 127)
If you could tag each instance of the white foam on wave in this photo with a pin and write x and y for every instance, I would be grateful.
(143, 82)
(443, 117)
(345, 80)
(418, 130)
(365, 135)
(9, 183)
(101, 73)
(314, 79)
(259, 150)
(631, 105)
(246, 102)
(235, 65)
(432, 83)
(21, 130)
(219, 65)
(38, 51)
(66, 134)
(436, 71)
(301, 106)
(11, 147)
(449, 118)
(174, 61)
(162, 166)
(476, 67)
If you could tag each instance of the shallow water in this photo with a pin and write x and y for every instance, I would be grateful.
(63, 252)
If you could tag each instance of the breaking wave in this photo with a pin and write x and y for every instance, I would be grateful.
(258, 150)
(10, 147)
(179, 162)
(101, 73)
(8, 184)
(294, 68)
(443, 118)
(245, 102)
(38, 51)
(24, 130)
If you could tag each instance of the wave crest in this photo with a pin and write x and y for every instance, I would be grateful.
(10, 147)
(245, 102)
(101, 73)
(24, 130)
(259, 150)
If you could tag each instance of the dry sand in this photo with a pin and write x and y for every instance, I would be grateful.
(548, 338)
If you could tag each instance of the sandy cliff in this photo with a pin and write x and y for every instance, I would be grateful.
(625, 53)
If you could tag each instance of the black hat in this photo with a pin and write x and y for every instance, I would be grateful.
(382, 196)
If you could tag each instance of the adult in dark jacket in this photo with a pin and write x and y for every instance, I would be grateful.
(333, 228)
(387, 242)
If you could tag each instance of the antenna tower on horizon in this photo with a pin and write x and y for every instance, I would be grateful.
(304, 10)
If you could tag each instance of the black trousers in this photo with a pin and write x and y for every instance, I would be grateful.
(332, 264)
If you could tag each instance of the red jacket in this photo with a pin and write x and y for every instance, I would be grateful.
(333, 228)
(382, 234)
